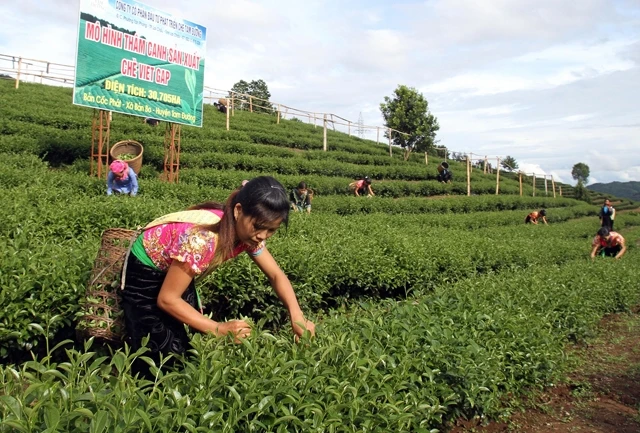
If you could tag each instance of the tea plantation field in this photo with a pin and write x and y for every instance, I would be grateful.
(427, 309)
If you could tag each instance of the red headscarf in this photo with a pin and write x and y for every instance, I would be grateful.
(118, 166)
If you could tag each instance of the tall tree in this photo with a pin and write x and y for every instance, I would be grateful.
(255, 88)
(408, 111)
(580, 172)
(509, 163)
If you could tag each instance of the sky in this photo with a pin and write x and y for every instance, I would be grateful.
(548, 82)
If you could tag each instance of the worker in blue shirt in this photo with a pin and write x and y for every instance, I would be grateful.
(121, 179)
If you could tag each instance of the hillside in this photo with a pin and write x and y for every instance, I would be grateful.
(41, 120)
(430, 306)
(629, 190)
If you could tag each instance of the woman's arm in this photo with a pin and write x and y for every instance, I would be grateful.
(370, 190)
(594, 251)
(178, 278)
(110, 183)
(282, 286)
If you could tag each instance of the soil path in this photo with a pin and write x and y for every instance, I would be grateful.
(602, 395)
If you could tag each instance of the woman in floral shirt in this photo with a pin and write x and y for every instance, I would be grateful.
(159, 295)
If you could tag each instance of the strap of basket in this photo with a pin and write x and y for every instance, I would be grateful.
(199, 216)
(123, 275)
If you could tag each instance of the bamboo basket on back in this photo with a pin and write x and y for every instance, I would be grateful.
(101, 315)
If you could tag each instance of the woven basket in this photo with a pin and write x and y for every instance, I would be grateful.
(129, 146)
(101, 316)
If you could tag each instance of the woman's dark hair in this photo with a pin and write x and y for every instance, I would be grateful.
(367, 180)
(604, 232)
(302, 185)
(543, 212)
(262, 198)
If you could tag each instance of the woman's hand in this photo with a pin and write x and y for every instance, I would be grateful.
(237, 328)
(299, 326)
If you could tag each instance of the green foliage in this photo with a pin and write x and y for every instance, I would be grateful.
(414, 365)
(580, 192)
(509, 163)
(408, 112)
(580, 172)
(255, 88)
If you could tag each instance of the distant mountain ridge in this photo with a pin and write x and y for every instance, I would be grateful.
(630, 190)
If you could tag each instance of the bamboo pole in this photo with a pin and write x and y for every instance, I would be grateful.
(426, 159)
(390, 154)
(250, 104)
(445, 153)
(378, 136)
(349, 126)
(498, 176)
(233, 106)
(520, 181)
(18, 76)
(278, 121)
(546, 190)
(468, 176)
(553, 186)
(485, 164)
(324, 137)
(534, 184)
(560, 187)
(227, 114)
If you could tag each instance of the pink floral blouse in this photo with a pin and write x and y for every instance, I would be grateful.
(186, 243)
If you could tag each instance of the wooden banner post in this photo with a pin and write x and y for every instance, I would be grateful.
(498, 176)
(324, 137)
(100, 130)
(172, 152)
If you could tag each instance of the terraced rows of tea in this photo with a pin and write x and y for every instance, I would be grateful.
(427, 308)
